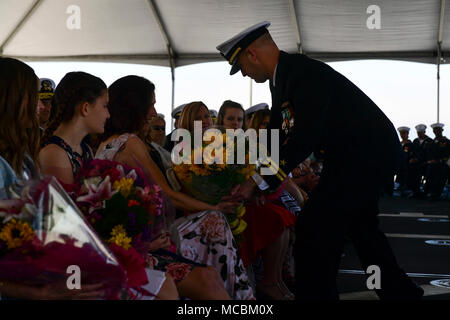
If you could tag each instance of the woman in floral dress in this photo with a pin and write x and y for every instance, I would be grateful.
(203, 237)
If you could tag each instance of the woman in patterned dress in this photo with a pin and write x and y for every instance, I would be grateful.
(205, 237)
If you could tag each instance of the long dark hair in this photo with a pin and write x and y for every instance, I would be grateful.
(74, 89)
(130, 99)
(19, 128)
(228, 104)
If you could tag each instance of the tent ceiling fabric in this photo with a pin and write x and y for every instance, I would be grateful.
(128, 31)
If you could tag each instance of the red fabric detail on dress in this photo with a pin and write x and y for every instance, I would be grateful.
(264, 225)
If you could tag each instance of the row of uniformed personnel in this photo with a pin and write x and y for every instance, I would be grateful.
(424, 158)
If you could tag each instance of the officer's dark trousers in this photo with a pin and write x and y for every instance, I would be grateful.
(320, 233)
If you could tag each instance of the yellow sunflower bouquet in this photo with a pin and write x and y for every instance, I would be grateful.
(208, 176)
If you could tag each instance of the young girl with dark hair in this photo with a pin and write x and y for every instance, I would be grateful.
(79, 109)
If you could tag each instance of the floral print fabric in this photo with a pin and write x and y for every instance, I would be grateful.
(204, 238)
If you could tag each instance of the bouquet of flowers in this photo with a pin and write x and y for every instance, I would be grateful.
(208, 181)
(124, 208)
(43, 235)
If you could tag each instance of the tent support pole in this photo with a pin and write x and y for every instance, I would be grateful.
(438, 78)
(439, 53)
(173, 95)
(296, 25)
(166, 38)
(19, 26)
(251, 92)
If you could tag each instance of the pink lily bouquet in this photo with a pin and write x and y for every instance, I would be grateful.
(124, 208)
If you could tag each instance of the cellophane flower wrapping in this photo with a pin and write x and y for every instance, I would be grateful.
(43, 233)
(210, 182)
(124, 208)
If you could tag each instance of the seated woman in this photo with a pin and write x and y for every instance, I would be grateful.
(268, 224)
(293, 198)
(19, 146)
(79, 109)
(131, 104)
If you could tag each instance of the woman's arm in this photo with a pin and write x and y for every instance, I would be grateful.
(55, 162)
(295, 191)
(135, 154)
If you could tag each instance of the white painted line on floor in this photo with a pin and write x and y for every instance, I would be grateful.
(417, 236)
(429, 290)
(433, 219)
(412, 215)
(411, 274)
(441, 283)
(438, 242)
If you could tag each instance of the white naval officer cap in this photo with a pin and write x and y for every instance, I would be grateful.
(437, 125)
(421, 127)
(231, 48)
(256, 107)
(176, 113)
(400, 129)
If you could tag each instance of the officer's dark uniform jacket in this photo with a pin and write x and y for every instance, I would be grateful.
(316, 108)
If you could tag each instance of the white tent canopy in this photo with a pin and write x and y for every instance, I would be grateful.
(180, 32)
(187, 31)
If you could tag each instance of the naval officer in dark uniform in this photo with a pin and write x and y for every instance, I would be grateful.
(316, 108)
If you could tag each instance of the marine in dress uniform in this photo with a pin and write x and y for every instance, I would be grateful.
(316, 108)
(420, 144)
(437, 154)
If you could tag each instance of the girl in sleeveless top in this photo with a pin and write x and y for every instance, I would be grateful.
(79, 109)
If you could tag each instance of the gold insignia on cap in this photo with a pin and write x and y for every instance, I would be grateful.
(234, 54)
